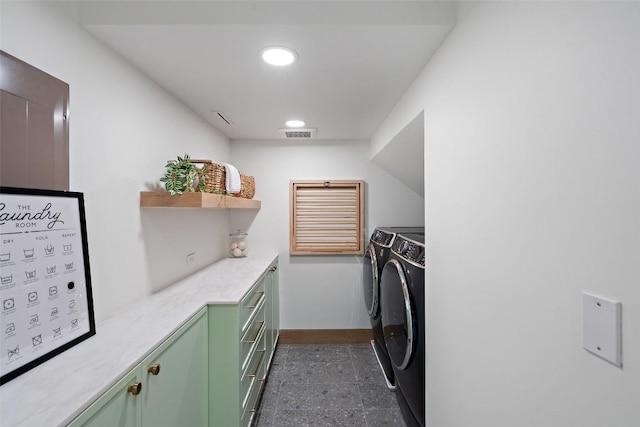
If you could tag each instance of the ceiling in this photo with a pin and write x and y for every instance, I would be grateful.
(356, 58)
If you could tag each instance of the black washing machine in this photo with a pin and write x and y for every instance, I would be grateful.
(374, 260)
(403, 325)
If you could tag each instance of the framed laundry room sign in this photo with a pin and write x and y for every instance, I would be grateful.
(45, 281)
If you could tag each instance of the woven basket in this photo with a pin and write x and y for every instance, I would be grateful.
(215, 174)
(247, 187)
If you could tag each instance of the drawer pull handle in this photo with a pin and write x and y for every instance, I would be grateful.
(255, 337)
(256, 404)
(135, 388)
(154, 369)
(261, 293)
(255, 372)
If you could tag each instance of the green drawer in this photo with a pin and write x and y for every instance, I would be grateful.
(247, 418)
(250, 304)
(251, 403)
(251, 339)
(254, 369)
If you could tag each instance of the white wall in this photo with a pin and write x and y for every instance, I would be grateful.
(318, 292)
(532, 196)
(123, 128)
(403, 156)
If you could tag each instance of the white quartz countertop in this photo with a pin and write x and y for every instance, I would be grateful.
(55, 392)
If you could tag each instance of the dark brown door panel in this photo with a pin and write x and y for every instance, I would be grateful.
(34, 130)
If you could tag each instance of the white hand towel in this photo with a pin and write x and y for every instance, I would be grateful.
(232, 180)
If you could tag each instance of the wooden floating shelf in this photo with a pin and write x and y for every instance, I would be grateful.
(162, 199)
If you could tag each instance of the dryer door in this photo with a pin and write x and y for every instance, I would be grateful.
(370, 280)
(398, 318)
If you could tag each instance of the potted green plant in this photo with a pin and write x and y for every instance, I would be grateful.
(180, 176)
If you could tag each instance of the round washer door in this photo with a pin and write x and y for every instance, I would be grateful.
(370, 280)
(398, 320)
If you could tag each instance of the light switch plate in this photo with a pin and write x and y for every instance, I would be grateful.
(602, 327)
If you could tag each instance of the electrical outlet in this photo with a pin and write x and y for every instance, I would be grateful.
(191, 258)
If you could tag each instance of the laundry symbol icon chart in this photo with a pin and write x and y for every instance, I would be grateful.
(57, 332)
(33, 296)
(37, 340)
(49, 250)
(30, 274)
(5, 257)
(11, 353)
(8, 304)
(11, 327)
(28, 253)
(6, 279)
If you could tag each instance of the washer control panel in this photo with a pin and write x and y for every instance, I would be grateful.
(382, 238)
(409, 250)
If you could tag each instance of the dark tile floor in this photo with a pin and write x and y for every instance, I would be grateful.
(327, 385)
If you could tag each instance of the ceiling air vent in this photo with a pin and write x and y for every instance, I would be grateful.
(222, 117)
(299, 133)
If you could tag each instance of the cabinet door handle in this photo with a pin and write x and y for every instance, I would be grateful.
(154, 369)
(135, 388)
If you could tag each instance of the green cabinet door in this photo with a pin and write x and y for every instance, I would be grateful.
(118, 407)
(168, 389)
(176, 376)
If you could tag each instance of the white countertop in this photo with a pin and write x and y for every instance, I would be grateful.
(55, 392)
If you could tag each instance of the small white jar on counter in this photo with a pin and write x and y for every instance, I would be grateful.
(238, 246)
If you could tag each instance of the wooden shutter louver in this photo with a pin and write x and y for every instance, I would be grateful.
(326, 217)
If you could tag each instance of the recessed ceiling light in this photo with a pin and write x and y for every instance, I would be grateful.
(278, 56)
(295, 123)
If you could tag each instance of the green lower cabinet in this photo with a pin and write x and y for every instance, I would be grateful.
(234, 362)
(169, 388)
(272, 311)
(241, 345)
(178, 394)
(211, 372)
(118, 407)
